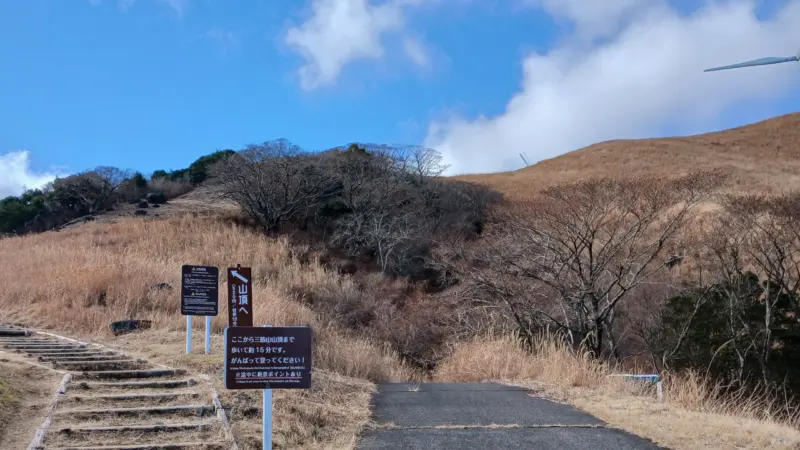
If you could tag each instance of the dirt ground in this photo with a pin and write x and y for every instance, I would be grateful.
(26, 393)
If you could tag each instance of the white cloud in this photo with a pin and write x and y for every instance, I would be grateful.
(415, 50)
(594, 19)
(644, 76)
(339, 32)
(16, 174)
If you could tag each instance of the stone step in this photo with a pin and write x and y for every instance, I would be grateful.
(136, 428)
(159, 446)
(24, 339)
(155, 398)
(128, 374)
(98, 365)
(77, 352)
(127, 385)
(8, 331)
(148, 412)
(41, 350)
(30, 344)
(135, 434)
(86, 358)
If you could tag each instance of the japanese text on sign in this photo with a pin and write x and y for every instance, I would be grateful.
(199, 290)
(240, 304)
(268, 358)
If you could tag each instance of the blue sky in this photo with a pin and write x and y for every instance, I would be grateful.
(150, 84)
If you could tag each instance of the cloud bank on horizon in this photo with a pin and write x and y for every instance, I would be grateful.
(628, 68)
(625, 69)
(16, 174)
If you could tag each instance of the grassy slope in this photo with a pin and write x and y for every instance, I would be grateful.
(761, 157)
(9, 401)
(100, 272)
(26, 392)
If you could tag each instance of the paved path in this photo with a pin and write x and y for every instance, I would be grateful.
(467, 416)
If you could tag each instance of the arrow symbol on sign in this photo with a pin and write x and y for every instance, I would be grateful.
(238, 275)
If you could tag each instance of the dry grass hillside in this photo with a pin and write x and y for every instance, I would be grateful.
(26, 391)
(99, 272)
(760, 157)
(79, 279)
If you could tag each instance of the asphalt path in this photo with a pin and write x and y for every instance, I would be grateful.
(467, 416)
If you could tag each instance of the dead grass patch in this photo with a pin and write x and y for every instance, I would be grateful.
(687, 418)
(26, 392)
(9, 400)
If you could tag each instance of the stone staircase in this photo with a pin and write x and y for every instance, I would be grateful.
(110, 401)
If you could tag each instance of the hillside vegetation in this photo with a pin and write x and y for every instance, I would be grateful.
(762, 158)
(467, 279)
(85, 195)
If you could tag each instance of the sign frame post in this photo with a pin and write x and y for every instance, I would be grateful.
(240, 296)
(208, 334)
(199, 297)
(266, 423)
(188, 334)
(266, 426)
(268, 358)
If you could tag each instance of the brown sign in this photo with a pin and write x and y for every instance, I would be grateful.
(240, 297)
(268, 357)
(199, 290)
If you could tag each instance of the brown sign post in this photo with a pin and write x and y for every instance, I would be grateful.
(240, 297)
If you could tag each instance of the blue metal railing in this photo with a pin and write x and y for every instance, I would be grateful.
(647, 378)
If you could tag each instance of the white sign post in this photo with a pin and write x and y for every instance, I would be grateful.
(208, 334)
(188, 334)
(199, 297)
(292, 371)
(266, 426)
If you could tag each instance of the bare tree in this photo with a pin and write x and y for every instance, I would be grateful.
(731, 321)
(274, 182)
(92, 191)
(771, 227)
(425, 163)
(585, 245)
(762, 234)
(370, 181)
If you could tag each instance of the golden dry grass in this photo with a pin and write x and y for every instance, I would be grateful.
(687, 417)
(9, 400)
(78, 280)
(26, 393)
(763, 157)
